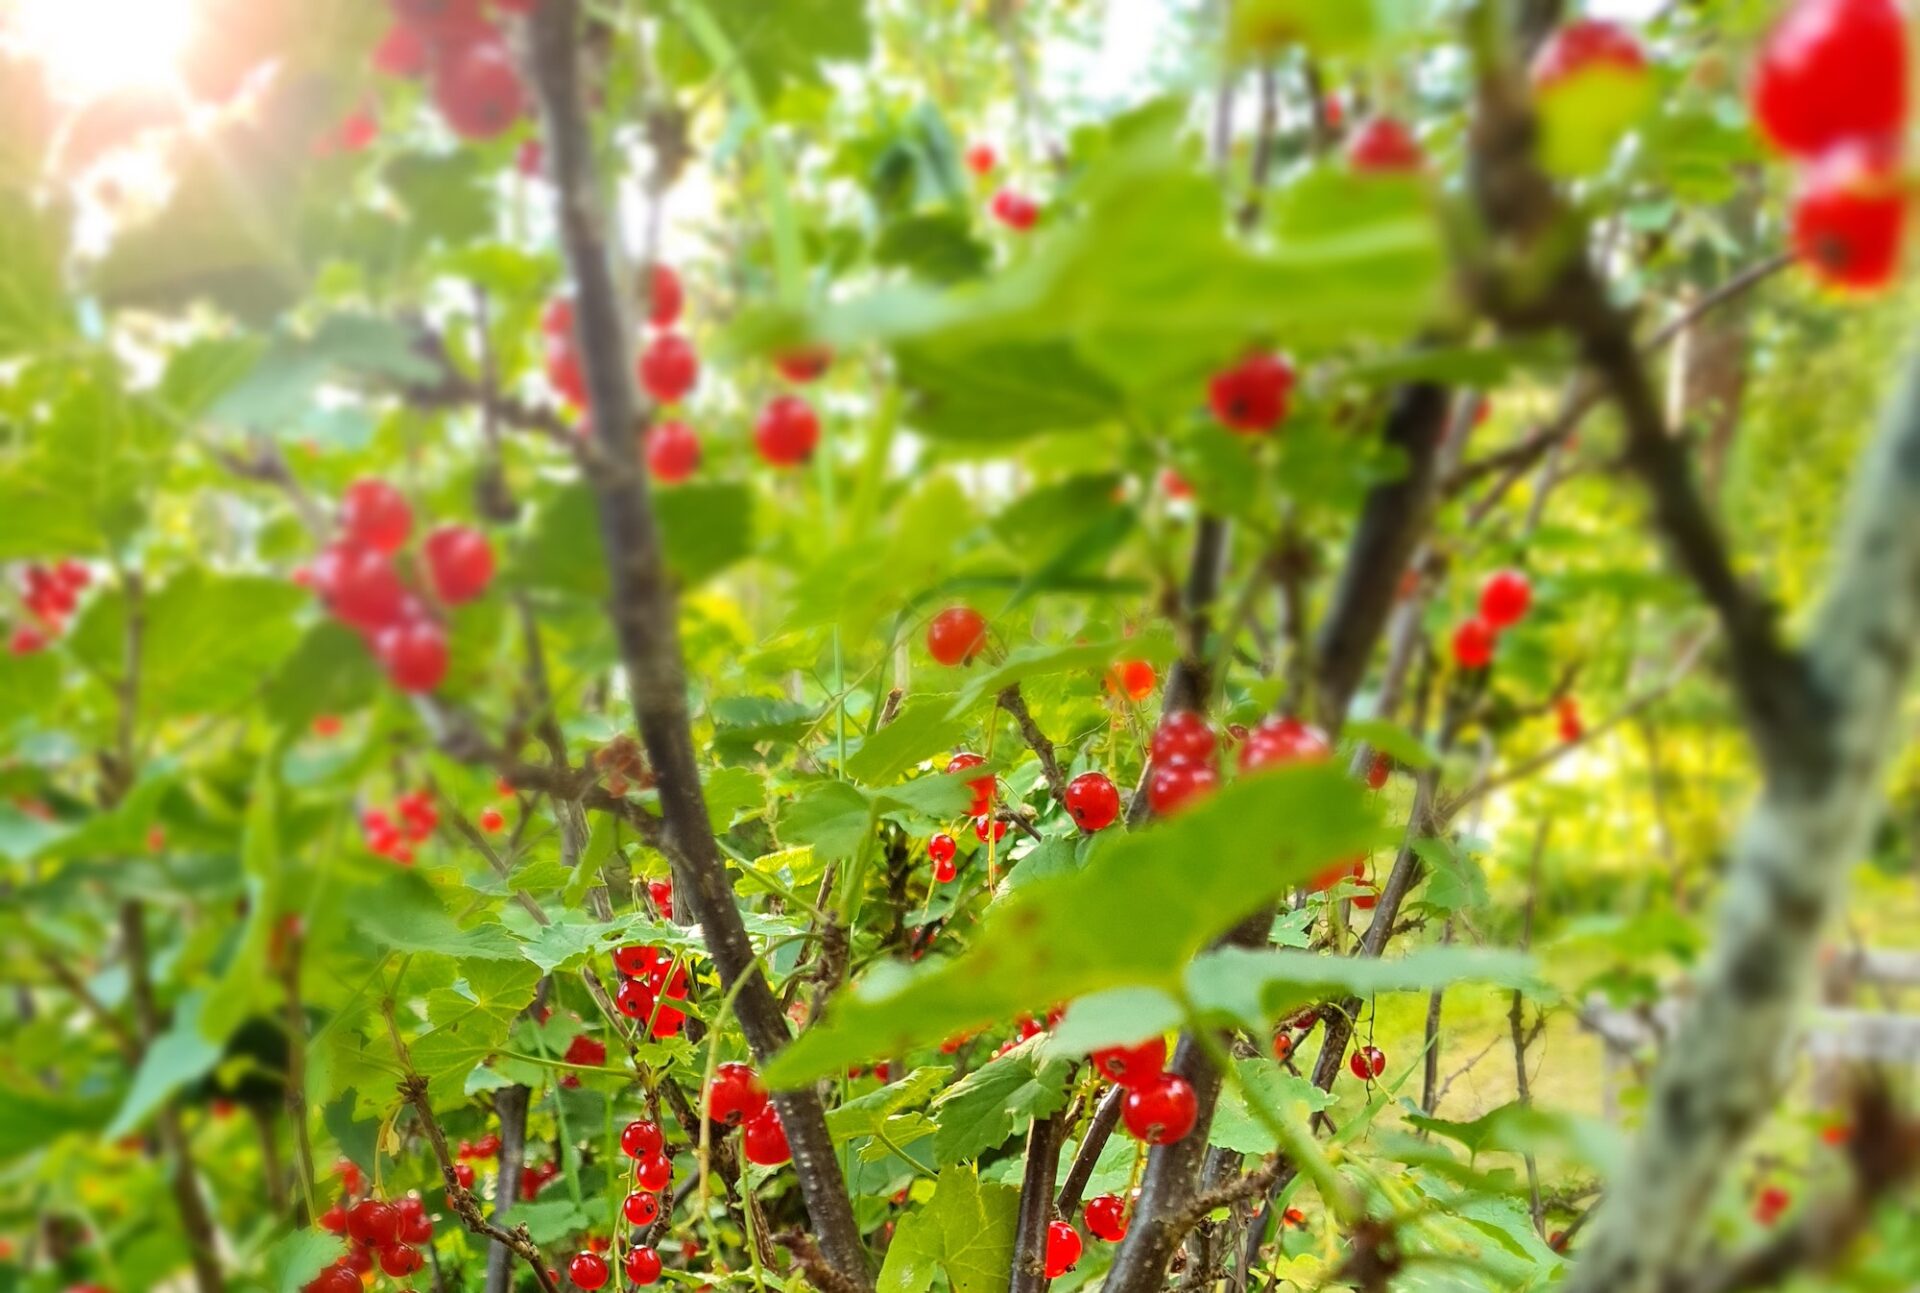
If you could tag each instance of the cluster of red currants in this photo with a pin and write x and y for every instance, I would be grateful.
(1504, 599)
(455, 44)
(735, 1098)
(588, 1052)
(50, 594)
(386, 1234)
(651, 977)
(358, 579)
(643, 1142)
(1831, 92)
(1184, 755)
(1009, 206)
(393, 835)
(1384, 146)
(1159, 1107)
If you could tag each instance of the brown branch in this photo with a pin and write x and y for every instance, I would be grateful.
(1106, 1116)
(1016, 704)
(1036, 1206)
(77, 988)
(824, 1275)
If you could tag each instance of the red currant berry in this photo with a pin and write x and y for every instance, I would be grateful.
(459, 563)
(491, 820)
(945, 870)
(641, 1208)
(1282, 1045)
(633, 959)
(1567, 714)
(805, 364)
(661, 894)
(982, 787)
(1383, 146)
(653, 1173)
(1134, 679)
(1849, 218)
(1277, 742)
(414, 655)
(26, 640)
(763, 1139)
(1504, 598)
(1367, 1063)
(786, 431)
(669, 368)
(1183, 734)
(641, 1139)
(399, 1261)
(463, 1175)
(673, 452)
(1178, 783)
(586, 1051)
(1135, 1065)
(985, 826)
(588, 1271)
(1107, 1217)
(1160, 1112)
(1832, 72)
(1093, 801)
(735, 1094)
(1252, 395)
(981, 159)
(643, 1265)
(372, 1223)
(634, 1000)
(401, 52)
(1014, 210)
(334, 1279)
(478, 91)
(334, 1220)
(359, 585)
(1378, 771)
(1473, 643)
(941, 848)
(664, 297)
(956, 635)
(1063, 1248)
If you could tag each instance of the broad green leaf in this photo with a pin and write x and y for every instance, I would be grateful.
(295, 1260)
(1054, 940)
(862, 1115)
(1116, 1017)
(33, 309)
(32, 1117)
(1249, 988)
(470, 1021)
(1260, 28)
(405, 914)
(983, 1109)
(704, 528)
(178, 1056)
(1235, 1125)
(279, 396)
(965, 1230)
(1391, 739)
(730, 792)
(924, 728)
(549, 1221)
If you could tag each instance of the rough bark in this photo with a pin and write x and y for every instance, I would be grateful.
(646, 620)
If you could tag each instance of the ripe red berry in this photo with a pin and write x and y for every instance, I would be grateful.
(641, 1208)
(1160, 1112)
(478, 91)
(1383, 146)
(399, 1261)
(1183, 734)
(1135, 1065)
(735, 1094)
(373, 1223)
(661, 893)
(944, 871)
(956, 635)
(401, 52)
(1014, 210)
(981, 159)
(373, 514)
(1378, 771)
(664, 297)
(654, 1172)
(633, 959)
(1473, 643)
(334, 1279)
(786, 431)
(491, 819)
(586, 1050)
(1133, 679)
(1833, 72)
(641, 1139)
(1277, 742)
(1586, 45)
(334, 1220)
(588, 1271)
(634, 1000)
(1176, 783)
(1849, 218)
(673, 452)
(804, 364)
(668, 367)
(982, 787)
(1093, 801)
(1063, 1248)
(1282, 1045)
(414, 654)
(1252, 395)
(941, 848)
(1504, 598)
(643, 1265)
(985, 826)
(764, 1140)
(463, 1175)
(459, 563)
(1567, 713)
(1367, 1063)
(26, 640)
(1107, 1217)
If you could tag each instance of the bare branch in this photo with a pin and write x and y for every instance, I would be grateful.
(1015, 704)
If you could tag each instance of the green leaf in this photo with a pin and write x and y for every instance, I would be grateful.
(178, 1056)
(863, 1115)
(991, 1103)
(1391, 739)
(1236, 1127)
(704, 528)
(550, 1221)
(32, 1117)
(730, 792)
(1156, 646)
(34, 314)
(778, 46)
(405, 914)
(965, 1229)
(279, 396)
(939, 248)
(1116, 1017)
(329, 672)
(924, 727)
(1263, 27)
(470, 1021)
(1249, 988)
(293, 1262)
(1053, 940)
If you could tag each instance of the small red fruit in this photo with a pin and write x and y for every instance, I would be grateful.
(1378, 771)
(1107, 1217)
(735, 1094)
(1183, 734)
(414, 655)
(1367, 1063)
(1833, 72)
(643, 1265)
(1771, 1204)
(478, 91)
(633, 959)
(1277, 742)
(334, 1279)
(1093, 801)
(654, 1172)
(1160, 1112)
(982, 787)
(372, 1223)
(463, 1175)
(1176, 783)
(1014, 210)
(401, 52)
(491, 819)
(641, 1208)
(1135, 1065)
(944, 871)
(334, 1220)
(373, 514)
(941, 848)
(1504, 598)
(1252, 396)
(1849, 218)
(664, 297)
(1283, 1045)
(399, 1261)
(673, 452)
(985, 826)
(764, 1140)
(1473, 644)
(1383, 146)
(1133, 679)
(588, 1271)
(805, 364)
(641, 1139)
(956, 635)
(1567, 715)
(459, 563)
(1063, 1248)
(981, 159)
(634, 1000)
(669, 368)
(1584, 45)
(786, 431)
